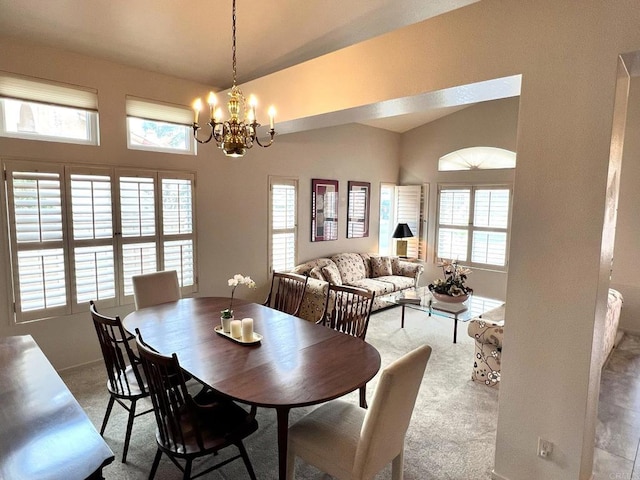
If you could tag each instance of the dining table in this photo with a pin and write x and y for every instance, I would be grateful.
(295, 363)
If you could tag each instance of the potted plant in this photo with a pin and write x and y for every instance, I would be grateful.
(226, 315)
(452, 288)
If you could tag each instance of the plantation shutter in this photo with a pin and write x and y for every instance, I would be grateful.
(490, 222)
(36, 236)
(408, 201)
(139, 238)
(177, 229)
(453, 222)
(92, 240)
(283, 224)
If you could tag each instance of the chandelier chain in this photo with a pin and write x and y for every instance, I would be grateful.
(233, 33)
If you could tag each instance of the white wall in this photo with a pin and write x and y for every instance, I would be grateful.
(626, 261)
(562, 243)
(231, 194)
(488, 124)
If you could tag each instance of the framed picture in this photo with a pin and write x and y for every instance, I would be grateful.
(358, 209)
(324, 210)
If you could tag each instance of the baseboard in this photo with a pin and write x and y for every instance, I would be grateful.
(497, 476)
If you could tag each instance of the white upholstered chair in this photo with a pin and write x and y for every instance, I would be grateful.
(155, 288)
(349, 442)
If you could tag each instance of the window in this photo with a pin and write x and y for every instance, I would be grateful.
(78, 233)
(159, 126)
(41, 110)
(473, 224)
(403, 204)
(283, 223)
(477, 158)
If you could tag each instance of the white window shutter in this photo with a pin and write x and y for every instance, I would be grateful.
(283, 224)
(408, 201)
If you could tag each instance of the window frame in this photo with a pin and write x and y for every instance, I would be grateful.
(69, 243)
(287, 181)
(49, 94)
(160, 113)
(470, 228)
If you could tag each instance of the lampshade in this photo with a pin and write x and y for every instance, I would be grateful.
(402, 231)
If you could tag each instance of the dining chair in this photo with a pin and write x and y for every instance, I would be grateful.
(155, 288)
(125, 380)
(348, 309)
(287, 292)
(350, 443)
(188, 427)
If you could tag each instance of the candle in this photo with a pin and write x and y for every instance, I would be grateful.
(197, 105)
(236, 328)
(212, 101)
(247, 329)
(272, 114)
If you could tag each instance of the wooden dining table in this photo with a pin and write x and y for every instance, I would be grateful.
(296, 363)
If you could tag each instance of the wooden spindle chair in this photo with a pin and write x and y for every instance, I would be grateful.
(287, 292)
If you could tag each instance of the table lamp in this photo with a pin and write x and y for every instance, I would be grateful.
(401, 232)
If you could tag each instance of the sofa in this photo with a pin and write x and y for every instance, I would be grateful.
(488, 333)
(378, 274)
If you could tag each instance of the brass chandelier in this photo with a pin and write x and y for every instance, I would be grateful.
(239, 133)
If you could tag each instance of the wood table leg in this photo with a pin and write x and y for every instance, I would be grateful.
(402, 324)
(283, 439)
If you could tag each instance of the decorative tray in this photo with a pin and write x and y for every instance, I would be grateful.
(256, 337)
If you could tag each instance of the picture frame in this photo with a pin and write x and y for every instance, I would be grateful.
(358, 200)
(324, 210)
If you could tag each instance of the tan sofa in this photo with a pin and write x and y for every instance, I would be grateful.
(380, 275)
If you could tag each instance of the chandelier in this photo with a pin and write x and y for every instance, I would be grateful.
(239, 133)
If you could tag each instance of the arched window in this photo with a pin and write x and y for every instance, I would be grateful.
(477, 158)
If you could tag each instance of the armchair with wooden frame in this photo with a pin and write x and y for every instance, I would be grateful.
(287, 292)
(347, 310)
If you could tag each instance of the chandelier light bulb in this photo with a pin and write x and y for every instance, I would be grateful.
(197, 106)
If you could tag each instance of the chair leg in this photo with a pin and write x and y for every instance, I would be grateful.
(363, 397)
(127, 437)
(245, 458)
(187, 470)
(397, 466)
(107, 413)
(156, 462)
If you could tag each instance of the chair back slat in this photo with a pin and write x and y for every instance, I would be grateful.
(348, 309)
(118, 355)
(287, 292)
(170, 398)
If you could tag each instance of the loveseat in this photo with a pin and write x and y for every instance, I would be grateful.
(488, 333)
(378, 274)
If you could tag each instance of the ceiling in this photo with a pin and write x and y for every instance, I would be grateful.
(192, 40)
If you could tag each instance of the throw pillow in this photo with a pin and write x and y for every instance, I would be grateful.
(316, 272)
(380, 267)
(395, 266)
(331, 274)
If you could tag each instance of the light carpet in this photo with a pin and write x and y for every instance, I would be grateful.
(451, 436)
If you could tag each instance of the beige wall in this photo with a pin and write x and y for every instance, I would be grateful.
(626, 261)
(562, 243)
(559, 267)
(488, 124)
(231, 194)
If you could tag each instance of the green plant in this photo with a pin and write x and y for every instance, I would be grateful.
(453, 283)
(237, 279)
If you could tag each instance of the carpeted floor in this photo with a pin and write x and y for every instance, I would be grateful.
(451, 437)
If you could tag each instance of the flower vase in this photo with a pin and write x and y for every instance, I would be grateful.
(226, 323)
(442, 297)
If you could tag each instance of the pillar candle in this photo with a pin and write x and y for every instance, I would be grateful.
(236, 328)
(247, 329)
